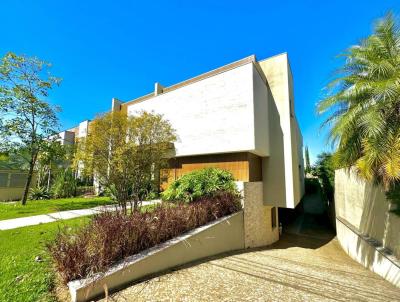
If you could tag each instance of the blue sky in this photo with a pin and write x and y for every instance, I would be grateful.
(106, 49)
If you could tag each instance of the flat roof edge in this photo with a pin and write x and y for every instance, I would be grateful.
(227, 67)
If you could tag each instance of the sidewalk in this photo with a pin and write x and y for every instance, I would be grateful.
(52, 217)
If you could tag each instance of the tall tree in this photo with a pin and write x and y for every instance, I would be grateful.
(325, 171)
(363, 103)
(307, 156)
(53, 158)
(125, 154)
(27, 118)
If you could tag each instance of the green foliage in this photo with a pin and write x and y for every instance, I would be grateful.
(312, 185)
(52, 159)
(22, 278)
(65, 184)
(363, 104)
(84, 190)
(126, 153)
(10, 210)
(152, 195)
(39, 193)
(199, 183)
(324, 169)
(15, 159)
(27, 119)
(393, 195)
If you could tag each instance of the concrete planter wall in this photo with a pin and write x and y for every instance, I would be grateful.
(223, 235)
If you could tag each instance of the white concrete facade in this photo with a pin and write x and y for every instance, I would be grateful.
(214, 115)
(83, 129)
(66, 138)
(285, 164)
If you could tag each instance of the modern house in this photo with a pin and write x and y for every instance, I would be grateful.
(239, 117)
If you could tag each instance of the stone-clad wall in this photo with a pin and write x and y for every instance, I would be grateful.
(258, 228)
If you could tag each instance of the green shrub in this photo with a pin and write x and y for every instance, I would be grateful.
(84, 190)
(39, 193)
(199, 183)
(393, 196)
(65, 184)
(312, 185)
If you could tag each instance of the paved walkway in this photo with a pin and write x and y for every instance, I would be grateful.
(52, 217)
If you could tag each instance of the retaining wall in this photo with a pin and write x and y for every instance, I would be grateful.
(223, 235)
(366, 229)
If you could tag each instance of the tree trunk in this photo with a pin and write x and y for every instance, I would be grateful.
(48, 180)
(28, 183)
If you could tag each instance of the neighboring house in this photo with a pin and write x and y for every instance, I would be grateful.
(239, 117)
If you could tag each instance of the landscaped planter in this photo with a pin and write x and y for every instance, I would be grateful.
(219, 236)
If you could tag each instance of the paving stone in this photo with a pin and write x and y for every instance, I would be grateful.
(297, 268)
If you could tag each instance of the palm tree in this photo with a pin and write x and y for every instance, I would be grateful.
(363, 106)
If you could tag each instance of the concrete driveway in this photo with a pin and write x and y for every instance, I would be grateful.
(297, 268)
(306, 264)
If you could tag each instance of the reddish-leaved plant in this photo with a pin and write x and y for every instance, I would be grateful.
(112, 236)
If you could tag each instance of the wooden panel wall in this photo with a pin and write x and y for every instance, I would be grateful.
(244, 166)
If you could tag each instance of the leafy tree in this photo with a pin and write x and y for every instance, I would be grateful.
(125, 154)
(363, 103)
(65, 184)
(308, 165)
(53, 159)
(324, 169)
(16, 158)
(27, 118)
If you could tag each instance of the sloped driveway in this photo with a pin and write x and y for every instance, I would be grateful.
(297, 268)
(302, 266)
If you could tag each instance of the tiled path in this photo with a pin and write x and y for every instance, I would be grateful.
(297, 268)
(46, 218)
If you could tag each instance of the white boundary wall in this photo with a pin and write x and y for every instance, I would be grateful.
(366, 229)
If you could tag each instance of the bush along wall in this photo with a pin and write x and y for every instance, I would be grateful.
(199, 183)
(113, 236)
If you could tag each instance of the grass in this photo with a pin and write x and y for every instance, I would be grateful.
(22, 278)
(9, 210)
